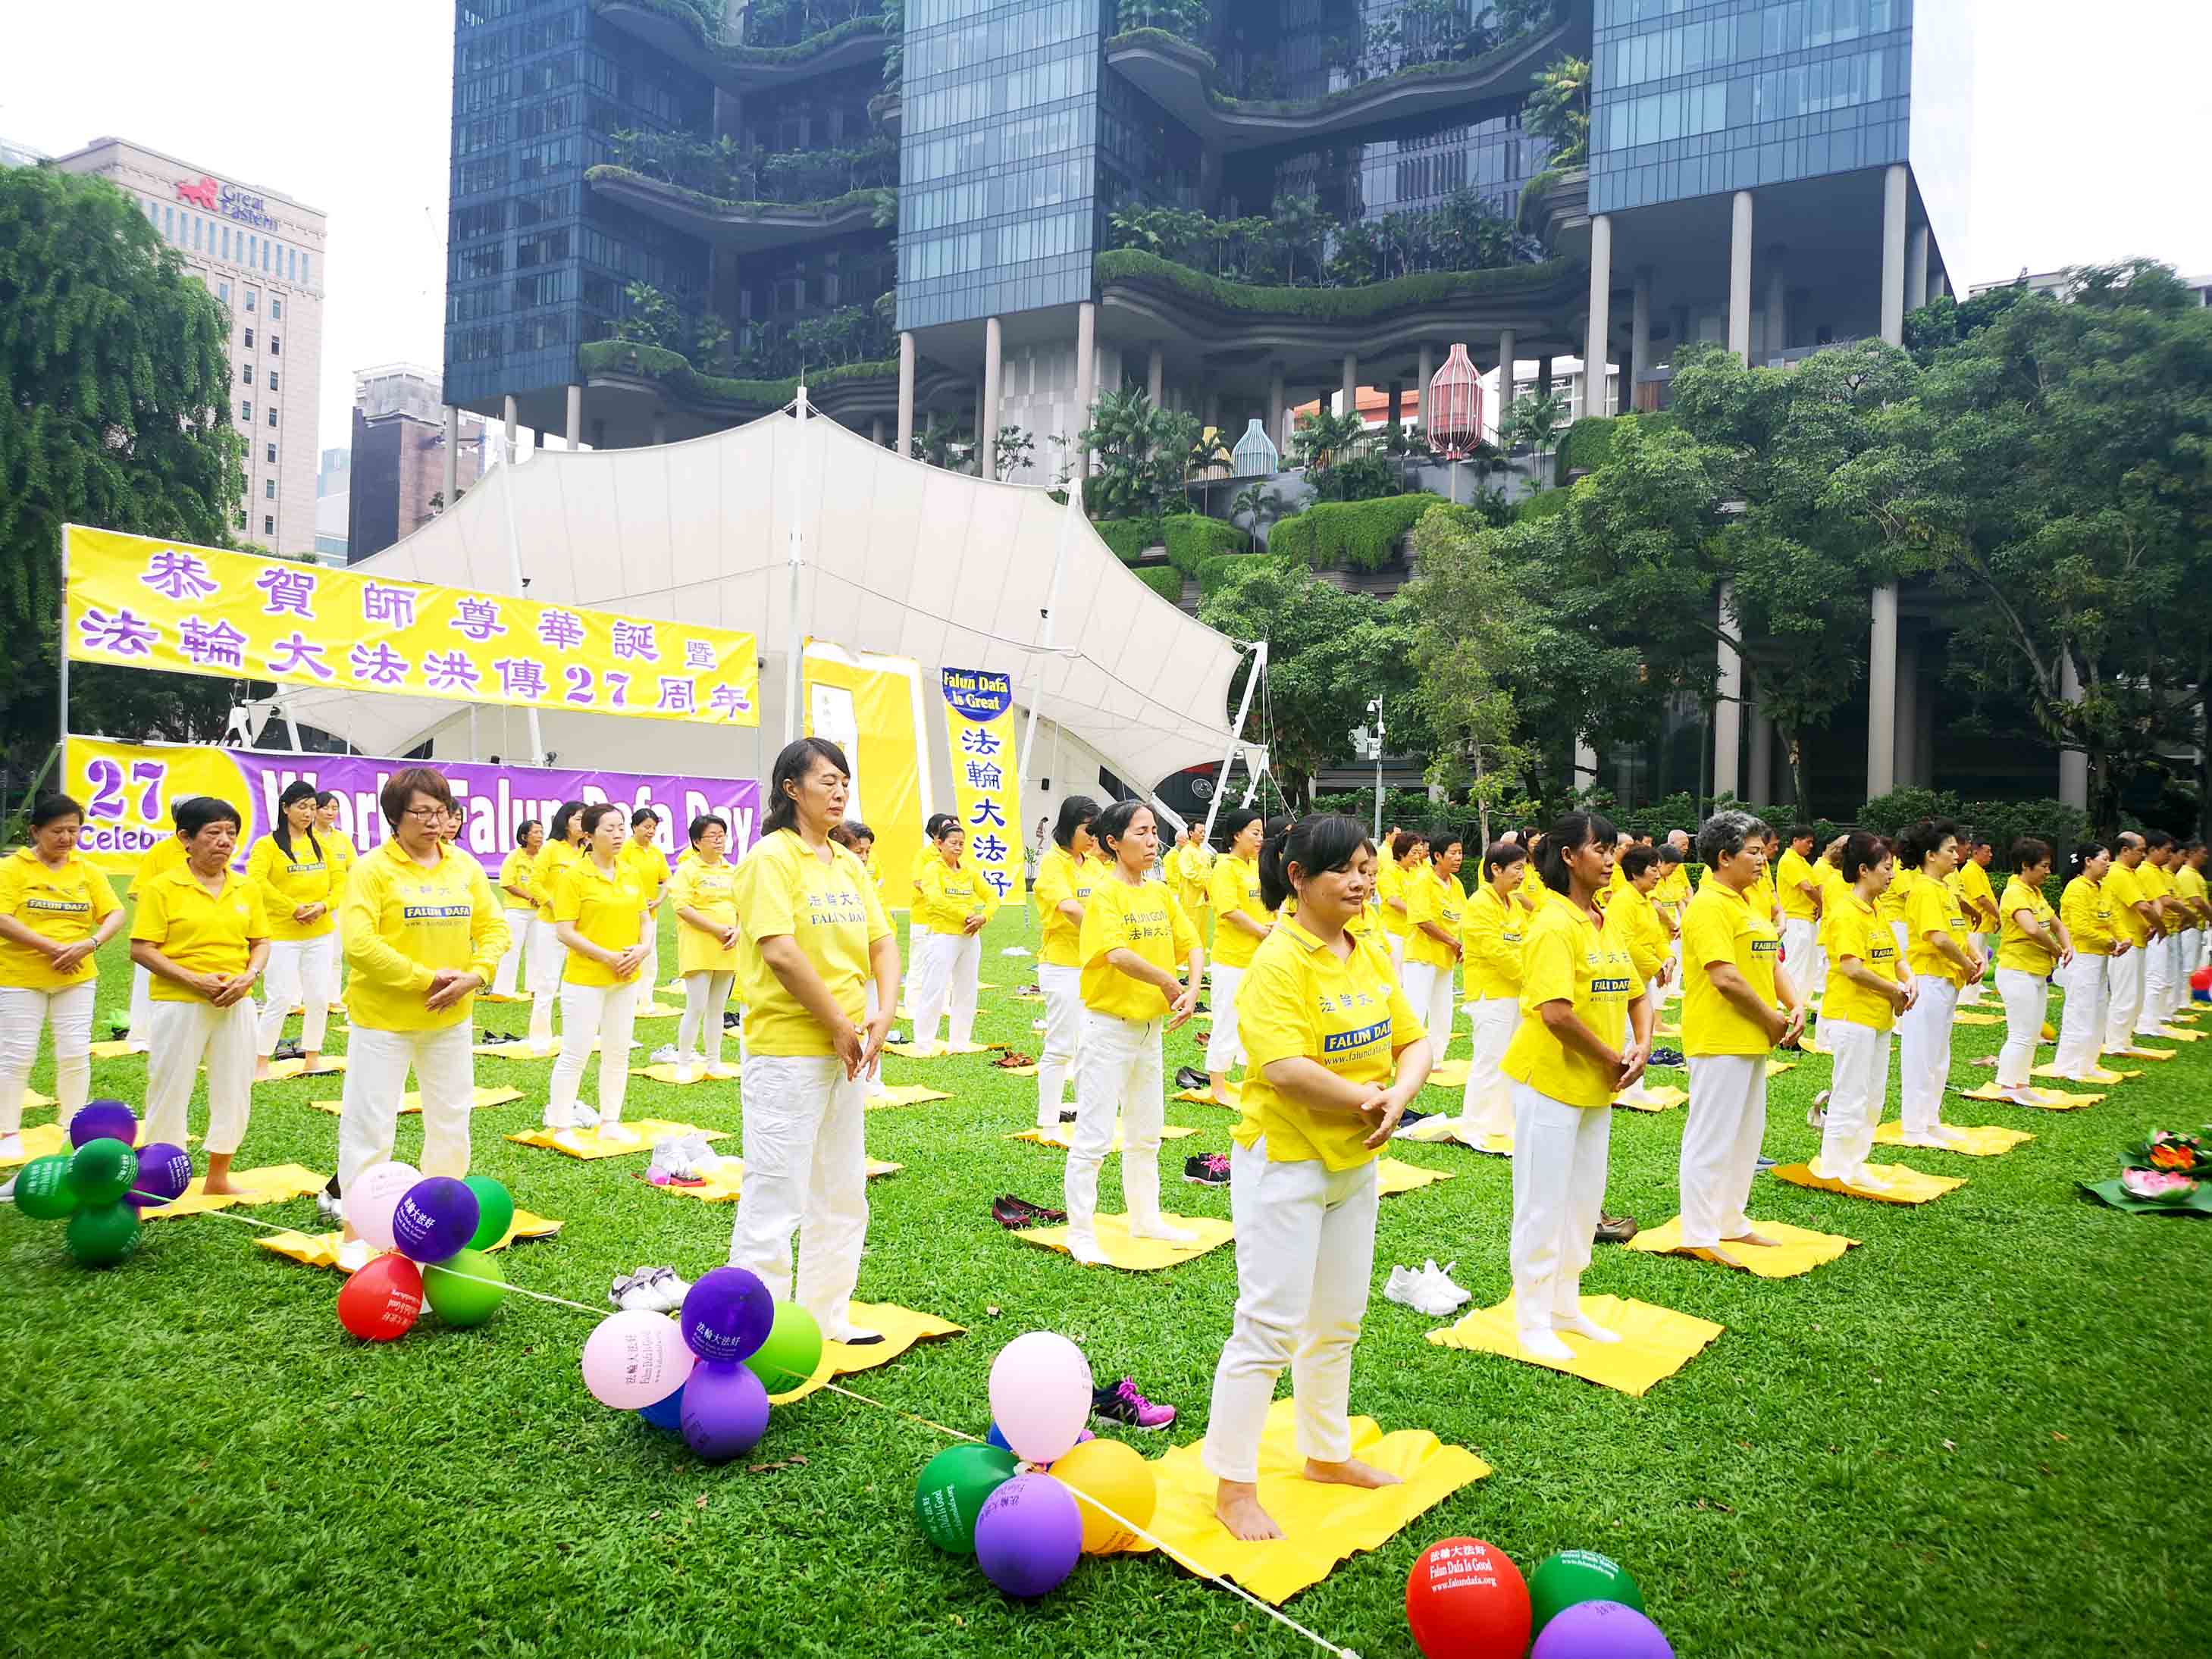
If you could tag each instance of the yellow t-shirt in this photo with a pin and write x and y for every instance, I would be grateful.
(1835, 890)
(1890, 907)
(1490, 933)
(1190, 867)
(1062, 878)
(1797, 904)
(1674, 887)
(2086, 909)
(649, 866)
(1934, 908)
(1389, 893)
(1852, 927)
(342, 855)
(2189, 885)
(1432, 898)
(159, 860)
(1533, 893)
(1568, 959)
(1347, 1014)
(1971, 882)
(1763, 897)
(1604, 897)
(516, 871)
(207, 932)
(2157, 885)
(2014, 949)
(1145, 918)
(401, 923)
(945, 898)
(553, 858)
(833, 913)
(608, 909)
(286, 883)
(706, 888)
(922, 860)
(64, 905)
(1725, 926)
(1633, 916)
(2123, 891)
(1234, 886)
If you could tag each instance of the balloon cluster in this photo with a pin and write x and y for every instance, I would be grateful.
(100, 1184)
(1041, 1492)
(707, 1375)
(1466, 1600)
(434, 1233)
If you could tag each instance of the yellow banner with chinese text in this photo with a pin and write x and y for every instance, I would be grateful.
(987, 784)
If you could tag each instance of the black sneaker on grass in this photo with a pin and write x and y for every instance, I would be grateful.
(1119, 1406)
(1207, 1170)
(1189, 1077)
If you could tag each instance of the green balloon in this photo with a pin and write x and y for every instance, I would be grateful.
(102, 1171)
(792, 1352)
(495, 1212)
(952, 1491)
(43, 1190)
(102, 1236)
(1572, 1576)
(459, 1301)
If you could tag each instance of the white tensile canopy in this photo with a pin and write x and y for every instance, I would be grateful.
(894, 556)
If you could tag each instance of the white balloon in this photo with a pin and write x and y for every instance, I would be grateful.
(374, 1196)
(1041, 1394)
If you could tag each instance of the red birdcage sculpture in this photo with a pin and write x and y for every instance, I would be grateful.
(1451, 407)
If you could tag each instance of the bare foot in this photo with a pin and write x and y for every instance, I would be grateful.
(262, 1073)
(1349, 1473)
(1758, 1238)
(223, 1187)
(1714, 1252)
(1237, 1506)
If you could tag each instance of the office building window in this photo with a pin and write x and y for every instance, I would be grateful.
(226, 241)
(269, 488)
(241, 518)
(272, 380)
(276, 345)
(245, 374)
(272, 454)
(306, 271)
(253, 298)
(222, 292)
(249, 333)
(268, 524)
(291, 264)
(169, 223)
(276, 312)
(245, 413)
(272, 414)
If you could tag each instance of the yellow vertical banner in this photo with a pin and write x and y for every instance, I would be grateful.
(987, 781)
(871, 707)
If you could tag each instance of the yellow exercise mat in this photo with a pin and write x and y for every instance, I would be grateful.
(33, 1100)
(283, 1071)
(657, 1011)
(1450, 1131)
(906, 1094)
(1666, 1030)
(1394, 1176)
(938, 1050)
(2104, 1074)
(1140, 1255)
(412, 1101)
(589, 1145)
(1665, 1098)
(278, 1183)
(1777, 1067)
(49, 1138)
(113, 1050)
(2138, 1052)
(1906, 1186)
(901, 1328)
(1810, 1044)
(1655, 1342)
(1200, 1097)
(321, 1249)
(494, 996)
(2054, 1100)
(1975, 1140)
(724, 1181)
(1448, 1074)
(1322, 1524)
(673, 988)
(668, 1074)
(1798, 1252)
(1968, 1017)
(2177, 1034)
(1028, 996)
(521, 1048)
(1064, 1137)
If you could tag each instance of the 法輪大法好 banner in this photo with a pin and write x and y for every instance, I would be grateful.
(987, 786)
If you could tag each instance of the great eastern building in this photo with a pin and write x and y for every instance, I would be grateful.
(939, 226)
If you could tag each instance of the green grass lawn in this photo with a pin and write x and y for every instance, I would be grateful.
(1978, 1432)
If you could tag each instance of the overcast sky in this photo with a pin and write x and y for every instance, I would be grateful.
(2083, 135)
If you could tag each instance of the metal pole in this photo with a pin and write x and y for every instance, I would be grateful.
(1048, 619)
(1237, 735)
(514, 563)
(293, 726)
(64, 636)
(796, 553)
(1378, 769)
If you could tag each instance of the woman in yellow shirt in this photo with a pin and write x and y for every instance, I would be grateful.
(2196, 897)
(1134, 936)
(2086, 907)
(424, 934)
(1405, 853)
(1977, 903)
(56, 910)
(1940, 953)
(1489, 942)
(1190, 866)
(1634, 917)
(856, 838)
(1436, 905)
(563, 846)
(1337, 1052)
(2031, 945)
(954, 905)
(599, 911)
(1240, 921)
(815, 934)
(706, 947)
(1577, 984)
(300, 889)
(520, 900)
(1065, 875)
(648, 870)
(163, 856)
(1868, 988)
(202, 931)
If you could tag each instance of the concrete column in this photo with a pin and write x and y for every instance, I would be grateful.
(1277, 423)
(1424, 373)
(1916, 267)
(573, 430)
(1938, 285)
(1760, 778)
(1086, 371)
(512, 453)
(1213, 411)
(1156, 374)
(1585, 765)
(1739, 321)
(1597, 338)
(1508, 361)
(1544, 375)
(1777, 301)
(994, 371)
(659, 428)
(453, 478)
(1639, 337)
(1893, 203)
(1881, 695)
(2073, 763)
(1397, 402)
(1728, 710)
(876, 430)
(906, 393)
(1351, 387)
(1907, 748)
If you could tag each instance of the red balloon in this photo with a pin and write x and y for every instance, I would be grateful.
(1468, 1601)
(382, 1302)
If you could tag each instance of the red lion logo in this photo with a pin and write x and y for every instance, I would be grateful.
(203, 193)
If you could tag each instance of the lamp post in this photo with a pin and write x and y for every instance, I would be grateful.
(1375, 743)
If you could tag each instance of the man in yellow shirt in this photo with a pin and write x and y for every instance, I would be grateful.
(2135, 919)
(647, 868)
(2156, 874)
(1978, 901)
(1798, 886)
(2191, 889)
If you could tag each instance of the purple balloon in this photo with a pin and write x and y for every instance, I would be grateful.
(725, 1410)
(727, 1314)
(103, 1120)
(1028, 1535)
(1600, 1630)
(164, 1172)
(435, 1220)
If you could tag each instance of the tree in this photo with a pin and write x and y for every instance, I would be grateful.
(649, 316)
(1559, 110)
(940, 442)
(115, 387)
(1254, 504)
(1009, 452)
(1536, 421)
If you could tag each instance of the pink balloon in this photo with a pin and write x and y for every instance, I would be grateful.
(1041, 1395)
(636, 1359)
(374, 1196)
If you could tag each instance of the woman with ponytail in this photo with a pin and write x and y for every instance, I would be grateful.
(1065, 875)
(300, 889)
(549, 958)
(1491, 932)
(2087, 910)
(1435, 904)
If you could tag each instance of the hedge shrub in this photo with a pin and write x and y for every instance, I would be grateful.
(1362, 534)
(1192, 539)
(1213, 574)
(1363, 304)
(1589, 442)
(1130, 538)
(1541, 505)
(1163, 580)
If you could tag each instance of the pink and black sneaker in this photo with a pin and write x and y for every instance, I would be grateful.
(1119, 1406)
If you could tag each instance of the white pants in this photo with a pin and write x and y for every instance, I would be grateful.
(1305, 1252)
(1559, 1188)
(184, 1033)
(1858, 1087)
(142, 1010)
(1971, 993)
(1121, 1076)
(1923, 1054)
(548, 959)
(2123, 981)
(1896, 932)
(1674, 980)
(1487, 1106)
(649, 935)
(2189, 945)
(23, 1014)
(521, 924)
(2081, 1022)
(2027, 997)
(1800, 937)
(1815, 984)
(1397, 956)
(2158, 987)
(1428, 988)
(705, 996)
(607, 1013)
(948, 966)
(1224, 1047)
(377, 1063)
(805, 1172)
(1720, 1146)
(1063, 1039)
(303, 974)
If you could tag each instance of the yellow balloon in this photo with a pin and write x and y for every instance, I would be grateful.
(1117, 1477)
